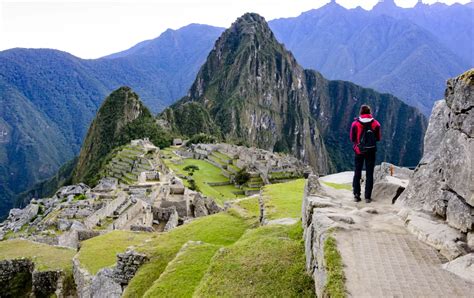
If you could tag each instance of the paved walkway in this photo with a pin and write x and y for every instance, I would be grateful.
(382, 259)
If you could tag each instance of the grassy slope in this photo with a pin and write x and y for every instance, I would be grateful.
(46, 257)
(207, 173)
(265, 262)
(185, 272)
(284, 199)
(100, 252)
(221, 229)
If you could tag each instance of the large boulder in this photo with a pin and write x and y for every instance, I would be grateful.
(443, 182)
(387, 169)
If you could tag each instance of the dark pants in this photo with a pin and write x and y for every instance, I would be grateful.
(369, 159)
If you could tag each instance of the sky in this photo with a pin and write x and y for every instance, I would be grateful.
(95, 28)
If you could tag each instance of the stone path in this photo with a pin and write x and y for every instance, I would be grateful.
(382, 259)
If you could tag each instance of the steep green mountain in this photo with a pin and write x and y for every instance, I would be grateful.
(252, 90)
(374, 50)
(48, 98)
(121, 118)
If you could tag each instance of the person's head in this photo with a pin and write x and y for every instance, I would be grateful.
(364, 110)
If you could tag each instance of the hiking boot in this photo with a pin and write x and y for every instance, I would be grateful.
(356, 198)
(368, 200)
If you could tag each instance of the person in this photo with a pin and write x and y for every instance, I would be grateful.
(365, 133)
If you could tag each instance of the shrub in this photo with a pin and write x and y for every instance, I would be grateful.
(191, 168)
(193, 185)
(242, 177)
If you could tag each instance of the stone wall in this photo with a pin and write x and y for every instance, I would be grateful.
(317, 227)
(18, 277)
(443, 182)
(107, 210)
(15, 277)
(108, 282)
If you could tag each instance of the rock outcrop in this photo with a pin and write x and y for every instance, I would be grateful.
(443, 182)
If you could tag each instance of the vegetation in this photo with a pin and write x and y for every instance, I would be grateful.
(45, 257)
(242, 177)
(338, 185)
(201, 138)
(184, 273)
(221, 229)
(207, 173)
(333, 261)
(100, 252)
(115, 125)
(265, 262)
(284, 199)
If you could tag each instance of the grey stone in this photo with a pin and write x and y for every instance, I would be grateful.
(458, 213)
(387, 191)
(470, 240)
(200, 208)
(45, 283)
(107, 184)
(384, 169)
(64, 224)
(462, 266)
(341, 218)
(73, 190)
(104, 285)
(172, 221)
(446, 172)
(437, 234)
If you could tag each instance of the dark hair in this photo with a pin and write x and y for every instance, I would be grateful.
(364, 109)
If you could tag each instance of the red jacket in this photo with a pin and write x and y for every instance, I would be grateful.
(357, 128)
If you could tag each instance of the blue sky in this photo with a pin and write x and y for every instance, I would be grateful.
(94, 28)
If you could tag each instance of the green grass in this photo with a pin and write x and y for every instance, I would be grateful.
(335, 279)
(222, 156)
(100, 252)
(183, 274)
(45, 257)
(265, 262)
(284, 199)
(250, 206)
(346, 186)
(220, 229)
(207, 173)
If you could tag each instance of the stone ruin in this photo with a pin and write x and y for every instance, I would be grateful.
(157, 201)
(264, 167)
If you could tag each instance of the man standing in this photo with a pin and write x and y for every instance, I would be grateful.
(364, 134)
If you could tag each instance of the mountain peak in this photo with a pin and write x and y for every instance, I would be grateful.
(249, 24)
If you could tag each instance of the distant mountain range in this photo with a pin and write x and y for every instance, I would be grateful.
(50, 97)
(393, 55)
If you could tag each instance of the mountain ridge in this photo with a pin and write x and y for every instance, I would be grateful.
(228, 93)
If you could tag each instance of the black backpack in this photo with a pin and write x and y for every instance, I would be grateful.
(368, 141)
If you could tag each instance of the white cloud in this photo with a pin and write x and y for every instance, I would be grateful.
(91, 29)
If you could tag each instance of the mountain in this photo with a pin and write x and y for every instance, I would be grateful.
(60, 93)
(121, 118)
(452, 24)
(392, 55)
(252, 90)
(49, 98)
